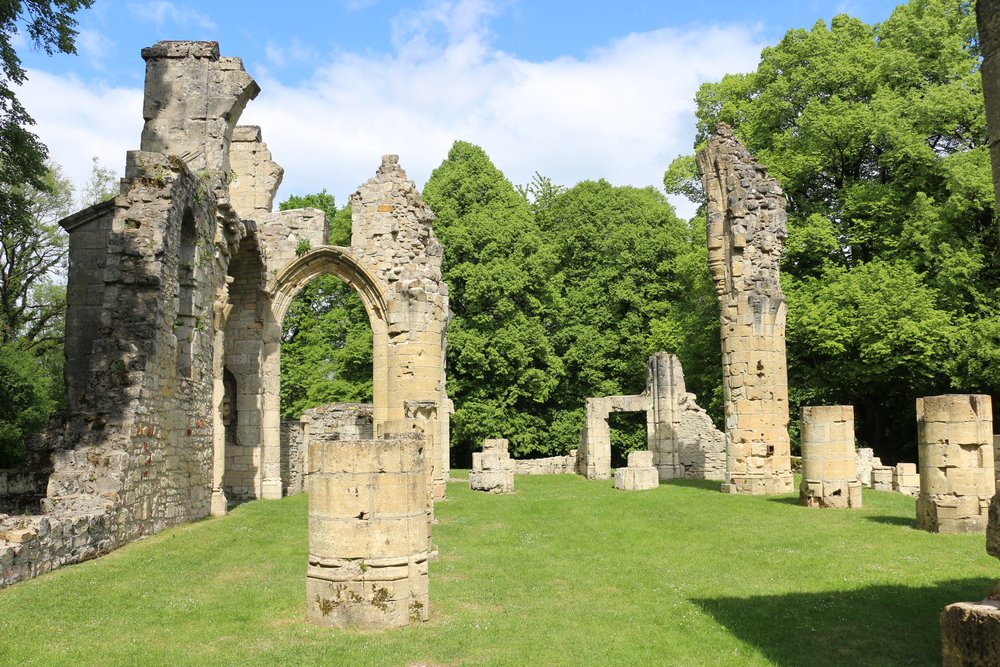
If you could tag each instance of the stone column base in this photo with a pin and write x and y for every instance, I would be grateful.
(970, 634)
(667, 471)
(270, 489)
(770, 485)
(220, 504)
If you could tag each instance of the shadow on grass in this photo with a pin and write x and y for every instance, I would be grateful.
(786, 500)
(876, 625)
(907, 521)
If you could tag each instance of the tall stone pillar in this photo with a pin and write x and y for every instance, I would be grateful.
(829, 466)
(955, 445)
(746, 232)
(368, 532)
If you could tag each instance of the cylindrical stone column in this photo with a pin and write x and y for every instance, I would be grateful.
(829, 466)
(368, 532)
(955, 445)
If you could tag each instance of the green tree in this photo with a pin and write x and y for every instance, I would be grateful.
(618, 250)
(326, 349)
(25, 401)
(32, 299)
(102, 185)
(877, 134)
(49, 27)
(504, 295)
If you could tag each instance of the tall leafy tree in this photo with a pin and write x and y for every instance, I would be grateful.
(32, 255)
(502, 366)
(617, 249)
(878, 136)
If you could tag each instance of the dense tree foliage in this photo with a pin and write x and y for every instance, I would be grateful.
(505, 296)
(33, 196)
(892, 270)
(48, 25)
(326, 349)
(559, 294)
(892, 265)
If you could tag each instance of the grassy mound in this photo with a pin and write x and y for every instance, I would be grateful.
(564, 572)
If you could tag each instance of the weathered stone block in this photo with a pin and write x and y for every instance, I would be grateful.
(970, 634)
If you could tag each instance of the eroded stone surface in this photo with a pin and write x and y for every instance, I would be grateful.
(492, 469)
(549, 465)
(177, 289)
(970, 634)
(829, 466)
(369, 505)
(639, 474)
(746, 233)
(680, 434)
(955, 444)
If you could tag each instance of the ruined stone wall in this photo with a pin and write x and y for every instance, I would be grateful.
(679, 433)
(135, 454)
(179, 287)
(549, 465)
(746, 232)
(293, 456)
(243, 369)
(254, 177)
(21, 491)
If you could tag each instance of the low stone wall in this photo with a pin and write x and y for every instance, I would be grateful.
(34, 545)
(21, 491)
(551, 465)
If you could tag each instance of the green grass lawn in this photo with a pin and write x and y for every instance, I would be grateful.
(564, 572)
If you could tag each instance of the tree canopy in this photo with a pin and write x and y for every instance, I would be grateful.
(892, 270)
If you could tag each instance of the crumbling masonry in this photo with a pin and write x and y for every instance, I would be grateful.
(177, 289)
(683, 441)
(955, 444)
(746, 233)
(829, 464)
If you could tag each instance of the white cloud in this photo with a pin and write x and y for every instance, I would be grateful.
(621, 112)
(161, 12)
(80, 121)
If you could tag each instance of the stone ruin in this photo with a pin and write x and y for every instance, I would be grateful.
(683, 441)
(369, 532)
(639, 475)
(177, 289)
(335, 421)
(746, 233)
(549, 465)
(492, 469)
(955, 444)
(829, 465)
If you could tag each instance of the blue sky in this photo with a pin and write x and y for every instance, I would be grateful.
(575, 91)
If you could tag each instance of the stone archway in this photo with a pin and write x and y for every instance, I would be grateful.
(394, 266)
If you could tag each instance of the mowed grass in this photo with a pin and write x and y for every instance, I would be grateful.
(564, 572)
